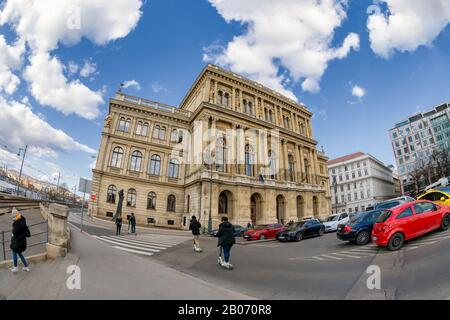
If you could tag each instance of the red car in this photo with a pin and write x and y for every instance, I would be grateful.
(262, 232)
(409, 221)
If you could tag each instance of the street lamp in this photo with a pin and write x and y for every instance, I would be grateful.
(212, 162)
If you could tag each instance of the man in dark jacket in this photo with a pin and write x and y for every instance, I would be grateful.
(20, 233)
(226, 240)
(195, 226)
(133, 223)
(119, 225)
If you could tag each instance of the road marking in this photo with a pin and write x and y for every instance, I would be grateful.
(126, 245)
(143, 242)
(318, 258)
(133, 251)
(331, 257)
(137, 245)
(345, 254)
(163, 242)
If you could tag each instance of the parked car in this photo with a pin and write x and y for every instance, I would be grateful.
(238, 231)
(262, 232)
(358, 228)
(332, 222)
(300, 230)
(391, 203)
(440, 196)
(411, 220)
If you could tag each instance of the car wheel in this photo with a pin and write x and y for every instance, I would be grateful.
(299, 236)
(363, 238)
(396, 242)
(445, 222)
(262, 237)
(321, 232)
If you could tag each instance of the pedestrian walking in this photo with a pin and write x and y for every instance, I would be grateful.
(133, 224)
(118, 225)
(20, 233)
(249, 225)
(195, 226)
(226, 241)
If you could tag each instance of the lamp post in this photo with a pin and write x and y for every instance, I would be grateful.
(21, 167)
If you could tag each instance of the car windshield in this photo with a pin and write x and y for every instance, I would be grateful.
(261, 227)
(389, 205)
(332, 218)
(295, 225)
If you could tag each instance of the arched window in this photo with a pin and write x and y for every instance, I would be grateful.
(173, 168)
(121, 126)
(221, 154)
(291, 166)
(223, 203)
(155, 165)
(174, 135)
(136, 159)
(156, 131)
(127, 125)
(151, 200)
(162, 133)
(131, 198)
(226, 99)
(272, 165)
(171, 203)
(111, 194)
(116, 159)
(139, 128)
(220, 97)
(249, 161)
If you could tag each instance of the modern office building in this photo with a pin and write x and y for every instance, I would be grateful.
(358, 181)
(233, 147)
(414, 140)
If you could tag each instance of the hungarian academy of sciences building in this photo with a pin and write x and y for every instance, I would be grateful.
(233, 147)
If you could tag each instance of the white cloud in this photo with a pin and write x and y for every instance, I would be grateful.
(73, 67)
(358, 92)
(51, 88)
(132, 83)
(294, 35)
(407, 25)
(21, 126)
(43, 25)
(89, 68)
(157, 88)
(10, 59)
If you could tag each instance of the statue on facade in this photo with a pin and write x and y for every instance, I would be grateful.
(108, 120)
(119, 206)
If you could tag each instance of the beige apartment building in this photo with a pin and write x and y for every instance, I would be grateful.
(233, 147)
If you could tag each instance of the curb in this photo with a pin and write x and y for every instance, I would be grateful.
(254, 242)
(34, 258)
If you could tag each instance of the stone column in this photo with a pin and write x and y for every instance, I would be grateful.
(302, 159)
(215, 92)
(285, 159)
(58, 231)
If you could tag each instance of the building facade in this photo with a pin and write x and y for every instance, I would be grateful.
(414, 140)
(233, 147)
(358, 181)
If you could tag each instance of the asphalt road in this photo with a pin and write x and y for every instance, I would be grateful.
(317, 268)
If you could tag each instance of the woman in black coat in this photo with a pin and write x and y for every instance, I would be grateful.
(20, 233)
(226, 239)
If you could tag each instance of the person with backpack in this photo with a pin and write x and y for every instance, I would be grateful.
(20, 233)
(195, 226)
(226, 241)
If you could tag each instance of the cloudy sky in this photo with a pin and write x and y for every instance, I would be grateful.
(360, 66)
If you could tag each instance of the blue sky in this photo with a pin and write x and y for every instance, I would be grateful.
(163, 50)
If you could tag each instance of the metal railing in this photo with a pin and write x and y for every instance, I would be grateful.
(5, 237)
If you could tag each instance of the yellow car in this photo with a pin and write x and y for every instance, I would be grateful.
(439, 196)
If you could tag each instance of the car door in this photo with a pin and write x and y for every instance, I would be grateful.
(308, 229)
(425, 214)
(406, 221)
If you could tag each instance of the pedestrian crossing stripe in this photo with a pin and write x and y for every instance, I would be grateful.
(142, 247)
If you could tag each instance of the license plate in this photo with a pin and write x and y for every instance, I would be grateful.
(374, 238)
(281, 237)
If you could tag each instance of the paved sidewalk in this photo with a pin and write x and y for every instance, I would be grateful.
(107, 273)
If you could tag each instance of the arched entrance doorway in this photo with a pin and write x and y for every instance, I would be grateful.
(300, 207)
(315, 206)
(281, 209)
(255, 208)
(225, 204)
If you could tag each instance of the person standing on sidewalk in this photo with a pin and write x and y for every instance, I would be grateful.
(226, 241)
(133, 224)
(195, 226)
(20, 233)
(118, 225)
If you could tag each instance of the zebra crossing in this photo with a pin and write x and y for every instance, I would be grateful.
(145, 245)
(371, 250)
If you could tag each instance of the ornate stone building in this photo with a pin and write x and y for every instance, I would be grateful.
(233, 147)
